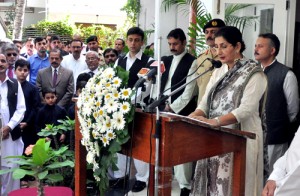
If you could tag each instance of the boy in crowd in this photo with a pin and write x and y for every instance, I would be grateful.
(32, 101)
(50, 113)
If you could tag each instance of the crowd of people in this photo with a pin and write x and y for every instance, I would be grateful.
(38, 79)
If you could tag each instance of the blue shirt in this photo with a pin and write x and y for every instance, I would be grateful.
(37, 63)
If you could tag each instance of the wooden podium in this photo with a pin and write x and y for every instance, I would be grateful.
(182, 140)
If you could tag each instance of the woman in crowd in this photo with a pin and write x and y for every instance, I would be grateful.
(232, 99)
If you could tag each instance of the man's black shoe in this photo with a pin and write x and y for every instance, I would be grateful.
(185, 192)
(138, 186)
(119, 183)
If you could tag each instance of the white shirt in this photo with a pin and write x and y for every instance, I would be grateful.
(8, 146)
(88, 71)
(286, 164)
(129, 63)
(77, 66)
(189, 90)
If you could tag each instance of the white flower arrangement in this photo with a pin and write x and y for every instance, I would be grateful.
(104, 111)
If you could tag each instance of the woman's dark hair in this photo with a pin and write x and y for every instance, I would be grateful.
(232, 35)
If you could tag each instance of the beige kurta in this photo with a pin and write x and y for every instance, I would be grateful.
(203, 80)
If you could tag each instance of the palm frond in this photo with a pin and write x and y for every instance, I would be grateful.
(232, 8)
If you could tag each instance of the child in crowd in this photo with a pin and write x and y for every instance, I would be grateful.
(50, 113)
(32, 101)
(81, 81)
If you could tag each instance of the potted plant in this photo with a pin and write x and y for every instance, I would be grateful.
(41, 162)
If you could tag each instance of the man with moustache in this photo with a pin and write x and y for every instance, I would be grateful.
(282, 103)
(92, 61)
(178, 66)
(110, 56)
(12, 109)
(209, 30)
(119, 47)
(28, 49)
(39, 60)
(12, 55)
(75, 61)
(57, 77)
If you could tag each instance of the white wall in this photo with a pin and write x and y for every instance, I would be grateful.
(169, 20)
(2, 32)
(33, 18)
(36, 3)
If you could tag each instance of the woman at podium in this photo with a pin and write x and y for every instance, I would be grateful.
(232, 99)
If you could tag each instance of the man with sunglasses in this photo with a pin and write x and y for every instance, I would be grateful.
(12, 55)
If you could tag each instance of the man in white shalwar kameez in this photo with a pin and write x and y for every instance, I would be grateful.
(11, 144)
(284, 180)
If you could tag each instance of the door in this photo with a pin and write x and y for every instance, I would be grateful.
(274, 16)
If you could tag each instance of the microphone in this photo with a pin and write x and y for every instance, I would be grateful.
(163, 98)
(215, 63)
(147, 74)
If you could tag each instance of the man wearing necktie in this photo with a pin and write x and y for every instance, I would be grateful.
(58, 78)
(12, 55)
(93, 61)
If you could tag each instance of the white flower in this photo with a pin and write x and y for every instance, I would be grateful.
(111, 106)
(109, 73)
(89, 157)
(102, 105)
(108, 97)
(115, 94)
(125, 107)
(110, 135)
(104, 140)
(118, 121)
(107, 123)
(126, 93)
(116, 82)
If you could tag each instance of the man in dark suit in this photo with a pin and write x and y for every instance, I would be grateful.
(58, 78)
(179, 68)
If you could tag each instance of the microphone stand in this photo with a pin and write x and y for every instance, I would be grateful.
(158, 121)
(163, 98)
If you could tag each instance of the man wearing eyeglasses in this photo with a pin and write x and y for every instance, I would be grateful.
(12, 55)
(75, 61)
(92, 59)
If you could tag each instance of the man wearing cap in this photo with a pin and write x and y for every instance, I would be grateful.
(93, 44)
(209, 30)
